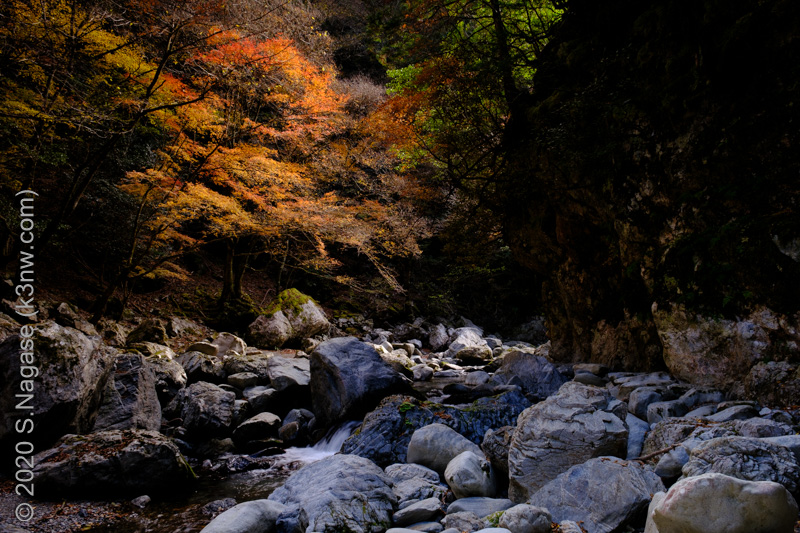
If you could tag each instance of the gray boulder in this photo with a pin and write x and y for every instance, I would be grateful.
(229, 344)
(658, 411)
(257, 516)
(130, 400)
(421, 511)
(637, 431)
(538, 377)
(110, 463)
(605, 493)
(495, 446)
(463, 521)
(436, 445)
(438, 337)
(202, 367)
(260, 427)
(242, 380)
(413, 482)
(468, 346)
(206, 410)
(67, 371)
(348, 378)
(524, 518)
(149, 330)
(256, 362)
(341, 493)
(422, 372)
(480, 506)
(469, 474)
(292, 316)
(745, 458)
(716, 502)
(285, 373)
(170, 377)
(576, 424)
(386, 431)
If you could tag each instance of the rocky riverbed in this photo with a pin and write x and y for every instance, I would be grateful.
(170, 426)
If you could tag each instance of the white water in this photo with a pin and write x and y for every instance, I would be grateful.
(326, 447)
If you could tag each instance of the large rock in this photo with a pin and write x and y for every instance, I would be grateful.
(538, 377)
(413, 482)
(229, 344)
(495, 445)
(525, 518)
(200, 366)
(470, 474)
(170, 377)
(481, 506)
(110, 463)
(468, 346)
(348, 378)
(776, 383)
(386, 432)
(291, 317)
(435, 445)
(256, 516)
(745, 458)
(130, 400)
(206, 409)
(422, 511)
(341, 493)
(67, 373)
(578, 423)
(716, 503)
(717, 352)
(605, 493)
(285, 373)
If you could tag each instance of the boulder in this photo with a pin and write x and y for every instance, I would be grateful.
(348, 378)
(386, 432)
(260, 427)
(468, 347)
(206, 410)
(261, 398)
(202, 367)
(170, 378)
(604, 493)
(481, 506)
(422, 372)
(538, 377)
(495, 446)
(341, 493)
(524, 518)
(776, 383)
(67, 371)
(438, 337)
(576, 424)
(716, 352)
(637, 431)
(285, 373)
(745, 458)
(256, 516)
(67, 315)
(242, 380)
(413, 482)
(254, 362)
(436, 445)
(292, 316)
(229, 344)
(469, 474)
(130, 400)
(111, 463)
(463, 521)
(422, 511)
(149, 330)
(716, 502)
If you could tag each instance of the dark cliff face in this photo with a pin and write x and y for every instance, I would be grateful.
(657, 161)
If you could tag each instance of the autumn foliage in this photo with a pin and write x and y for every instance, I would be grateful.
(177, 128)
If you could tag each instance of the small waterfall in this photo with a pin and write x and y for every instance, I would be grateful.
(326, 447)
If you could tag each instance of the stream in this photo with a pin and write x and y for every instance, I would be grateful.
(187, 515)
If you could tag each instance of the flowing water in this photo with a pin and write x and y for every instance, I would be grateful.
(186, 514)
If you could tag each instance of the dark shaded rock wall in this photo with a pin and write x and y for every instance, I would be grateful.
(656, 163)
